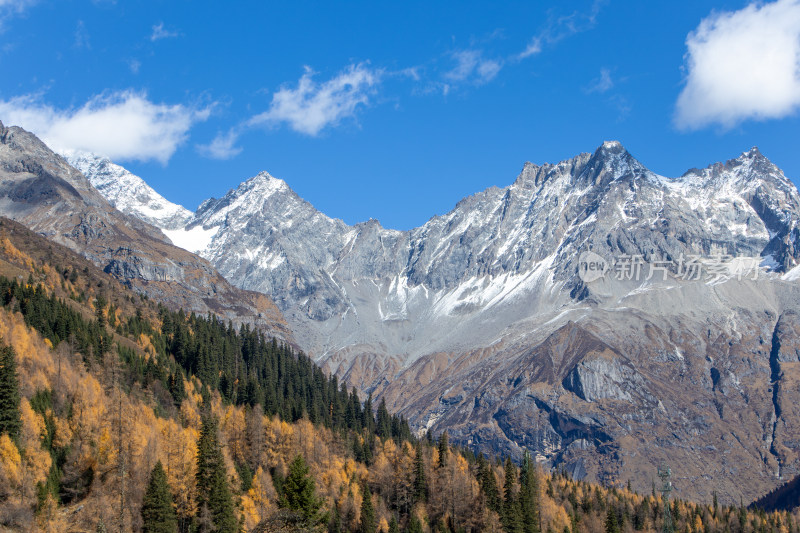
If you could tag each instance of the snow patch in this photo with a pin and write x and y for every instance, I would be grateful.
(792, 275)
(194, 240)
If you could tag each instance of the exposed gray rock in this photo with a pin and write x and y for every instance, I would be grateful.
(478, 322)
(42, 191)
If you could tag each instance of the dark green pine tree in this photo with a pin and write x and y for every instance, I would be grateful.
(443, 450)
(612, 526)
(213, 494)
(158, 515)
(529, 495)
(511, 518)
(10, 421)
(335, 522)
(367, 524)
(488, 485)
(394, 527)
(299, 492)
(384, 421)
(414, 525)
(420, 482)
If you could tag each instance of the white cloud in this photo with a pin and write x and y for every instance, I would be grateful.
(472, 67)
(742, 65)
(82, 36)
(533, 48)
(122, 126)
(16, 6)
(601, 84)
(558, 28)
(160, 32)
(312, 106)
(222, 147)
(9, 8)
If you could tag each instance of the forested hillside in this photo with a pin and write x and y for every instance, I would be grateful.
(118, 414)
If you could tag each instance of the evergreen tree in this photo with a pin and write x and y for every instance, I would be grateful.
(443, 450)
(158, 515)
(10, 421)
(384, 422)
(213, 494)
(420, 482)
(367, 524)
(529, 495)
(414, 525)
(335, 522)
(511, 518)
(488, 485)
(299, 492)
(100, 310)
(394, 527)
(612, 526)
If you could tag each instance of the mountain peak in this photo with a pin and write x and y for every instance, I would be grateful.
(265, 183)
(128, 192)
(612, 146)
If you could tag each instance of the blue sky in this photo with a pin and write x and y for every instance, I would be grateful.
(395, 112)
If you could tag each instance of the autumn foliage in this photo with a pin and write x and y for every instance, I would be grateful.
(114, 428)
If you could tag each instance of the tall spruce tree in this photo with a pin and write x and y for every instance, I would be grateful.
(420, 482)
(300, 493)
(335, 522)
(488, 485)
(10, 421)
(511, 518)
(367, 524)
(529, 495)
(443, 450)
(612, 525)
(213, 494)
(414, 525)
(384, 421)
(158, 514)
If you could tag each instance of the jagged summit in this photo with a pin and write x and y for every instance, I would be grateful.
(127, 192)
(614, 147)
(264, 182)
(479, 323)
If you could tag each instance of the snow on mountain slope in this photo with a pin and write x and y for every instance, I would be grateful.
(478, 322)
(129, 193)
(499, 257)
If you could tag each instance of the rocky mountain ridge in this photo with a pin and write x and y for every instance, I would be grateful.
(478, 322)
(43, 192)
(129, 193)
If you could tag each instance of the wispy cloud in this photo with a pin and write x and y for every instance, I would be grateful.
(11, 8)
(222, 147)
(134, 65)
(601, 84)
(471, 66)
(742, 65)
(310, 107)
(122, 125)
(160, 32)
(82, 36)
(559, 27)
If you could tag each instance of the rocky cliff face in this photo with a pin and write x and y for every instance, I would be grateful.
(42, 191)
(129, 193)
(479, 321)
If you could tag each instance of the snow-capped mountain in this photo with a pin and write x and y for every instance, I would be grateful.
(498, 256)
(478, 321)
(40, 190)
(127, 192)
